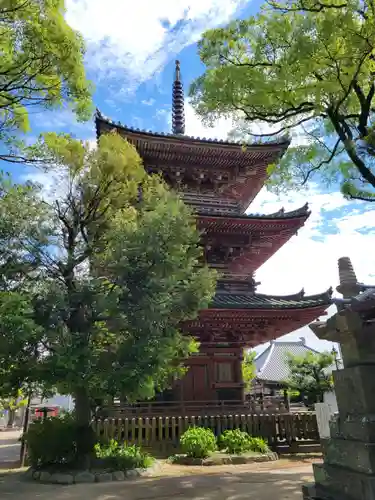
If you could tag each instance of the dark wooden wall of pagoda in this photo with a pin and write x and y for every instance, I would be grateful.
(215, 373)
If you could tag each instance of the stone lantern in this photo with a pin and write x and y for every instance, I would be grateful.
(348, 471)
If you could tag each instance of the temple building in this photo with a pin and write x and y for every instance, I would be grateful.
(219, 180)
(273, 371)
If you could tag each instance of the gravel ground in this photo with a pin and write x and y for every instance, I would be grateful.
(280, 480)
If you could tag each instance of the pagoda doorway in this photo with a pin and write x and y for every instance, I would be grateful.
(195, 383)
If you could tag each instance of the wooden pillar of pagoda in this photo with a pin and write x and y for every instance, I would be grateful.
(240, 374)
(211, 375)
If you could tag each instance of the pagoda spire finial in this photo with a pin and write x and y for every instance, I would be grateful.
(178, 112)
(349, 285)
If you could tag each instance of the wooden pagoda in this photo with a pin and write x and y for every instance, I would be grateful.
(220, 179)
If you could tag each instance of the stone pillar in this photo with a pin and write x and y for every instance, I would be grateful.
(348, 471)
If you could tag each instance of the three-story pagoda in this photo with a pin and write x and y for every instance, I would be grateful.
(220, 179)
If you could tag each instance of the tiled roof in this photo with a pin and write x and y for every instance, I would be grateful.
(297, 213)
(272, 366)
(227, 300)
(210, 204)
(284, 141)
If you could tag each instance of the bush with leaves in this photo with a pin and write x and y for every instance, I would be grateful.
(121, 457)
(258, 445)
(52, 441)
(198, 442)
(235, 441)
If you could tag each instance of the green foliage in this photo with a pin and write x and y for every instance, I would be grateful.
(22, 239)
(258, 445)
(198, 442)
(13, 403)
(305, 68)
(292, 393)
(311, 375)
(19, 338)
(234, 441)
(122, 457)
(41, 64)
(23, 234)
(52, 441)
(119, 269)
(173, 459)
(238, 442)
(248, 369)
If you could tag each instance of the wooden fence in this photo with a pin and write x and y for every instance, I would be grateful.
(288, 432)
(192, 408)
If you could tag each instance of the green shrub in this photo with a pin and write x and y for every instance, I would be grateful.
(121, 457)
(258, 445)
(235, 441)
(198, 442)
(51, 441)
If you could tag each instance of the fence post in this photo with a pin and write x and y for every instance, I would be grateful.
(133, 431)
(140, 430)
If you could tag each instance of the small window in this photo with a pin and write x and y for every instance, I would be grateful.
(224, 372)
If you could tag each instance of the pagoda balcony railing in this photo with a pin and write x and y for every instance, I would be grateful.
(186, 408)
(229, 384)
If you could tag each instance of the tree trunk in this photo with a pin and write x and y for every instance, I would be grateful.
(11, 418)
(85, 433)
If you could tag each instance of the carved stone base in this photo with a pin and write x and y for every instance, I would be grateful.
(314, 492)
(337, 483)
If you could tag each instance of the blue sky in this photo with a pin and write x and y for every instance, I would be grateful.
(130, 59)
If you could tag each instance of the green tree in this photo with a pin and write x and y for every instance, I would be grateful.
(20, 341)
(11, 405)
(248, 369)
(302, 65)
(23, 234)
(122, 272)
(41, 65)
(311, 375)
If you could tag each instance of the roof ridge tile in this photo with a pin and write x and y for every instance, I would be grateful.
(283, 141)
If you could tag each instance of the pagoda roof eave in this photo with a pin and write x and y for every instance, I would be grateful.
(252, 319)
(300, 213)
(280, 145)
(261, 302)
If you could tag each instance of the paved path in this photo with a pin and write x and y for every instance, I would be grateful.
(250, 482)
(9, 446)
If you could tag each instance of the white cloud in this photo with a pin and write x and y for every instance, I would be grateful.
(226, 128)
(63, 120)
(195, 127)
(245, 131)
(148, 102)
(134, 41)
(309, 259)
